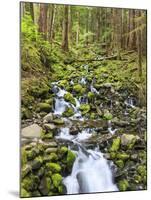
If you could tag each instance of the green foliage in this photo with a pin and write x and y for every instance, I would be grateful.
(115, 145)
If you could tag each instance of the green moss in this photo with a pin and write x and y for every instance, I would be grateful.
(119, 163)
(63, 83)
(115, 145)
(30, 182)
(48, 135)
(23, 156)
(85, 108)
(58, 121)
(43, 107)
(24, 193)
(69, 97)
(51, 157)
(37, 162)
(26, 113)
(68, 112)
(70, 159)
(112, 155)
(63, 150)
(137, 179)
(107, 115)
(30, 155)
(26, 169)
(142, 170)
(79, 89)
(54, 167)
(123, 185)
(45, 185)
(91, 95)
(56, 179)
(122, 156)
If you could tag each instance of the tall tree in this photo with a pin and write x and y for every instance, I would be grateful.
(65, 41)
(43, 19)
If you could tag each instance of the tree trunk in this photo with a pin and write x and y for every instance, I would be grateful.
(65, 42)
(98, 24)
(139, 46)
(43, 20)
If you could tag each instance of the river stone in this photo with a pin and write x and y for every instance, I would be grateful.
(33, 131)
(127, 139)
(51, 150)
(49, 127)
(48, 118)
(50, 144)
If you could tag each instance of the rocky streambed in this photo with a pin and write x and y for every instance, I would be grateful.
(84, 127)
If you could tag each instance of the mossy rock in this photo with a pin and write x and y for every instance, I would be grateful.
(123, 185)
(58, 121)
(30, 183)
(107, 115)
(30, 155)
(115, 145)
(69, 97)
(119, 163)
(26, 113)
(63, 83)
(56, 179)
(48, 135)
(26, 169)
(112, 155)
(24, 193)
(68, 112)
(45, 107)
(91, 95)
(137, 178)
(36, 163)
(128, 140)
(63, 150)
(122, 156)
(85, 108)
(51, 157)
(79, 89)
(49, 101)
(45, 185)
(54, 167)
(70, 159)
(36, 193)
(39, 91)
(141, 169)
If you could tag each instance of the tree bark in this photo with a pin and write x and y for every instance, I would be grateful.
(43, 20)
(65, 42)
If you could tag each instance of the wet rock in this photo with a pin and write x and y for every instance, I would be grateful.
(25, 170)
(129, 140)
(68, 112)
(50, 144)
(36, 163)
(107, 115)
(58, 121)
(119, 163)
(122, 156)
(123, 185)
(70, 159)
(33, 131)
(56, 179)
(51, 157)
(85, 108)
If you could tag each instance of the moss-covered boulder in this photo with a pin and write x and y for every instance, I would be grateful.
(85, 108)
(51, 157)
(141, 169)
(36, 163)
(45, 185)
(79, 89)
(68, 112)
(115, 145)
(128, 140)
(56, 179)
(63, 83)
(122, 156)
(107, 115)
(58, 121)
(45, 107)
(69, 97)
(54, 167)
(70, 159)
(30, 182)
(24, 193)
(91, 95)
(63, 150)
(26, 169)
(119, 163)
(123, 185)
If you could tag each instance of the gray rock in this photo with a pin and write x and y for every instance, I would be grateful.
(48, 118)
(49, 127)
(127, 139)
(33, 131)
(51, 150)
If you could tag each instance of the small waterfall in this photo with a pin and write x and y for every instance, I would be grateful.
(60, 106)
(110, 129)
(129, 102)
(83, 81)
(90, 173)
(93, 89)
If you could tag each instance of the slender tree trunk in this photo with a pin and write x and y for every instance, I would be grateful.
(43, 20)
(98, 24)
(139, 46)
(78, 29)
(65, 42)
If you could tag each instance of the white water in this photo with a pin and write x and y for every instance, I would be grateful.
(130, 102)
(90, 174)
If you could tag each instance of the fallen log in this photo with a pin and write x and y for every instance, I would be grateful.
(114, 57)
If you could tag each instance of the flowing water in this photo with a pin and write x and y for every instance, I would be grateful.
(91, 171)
